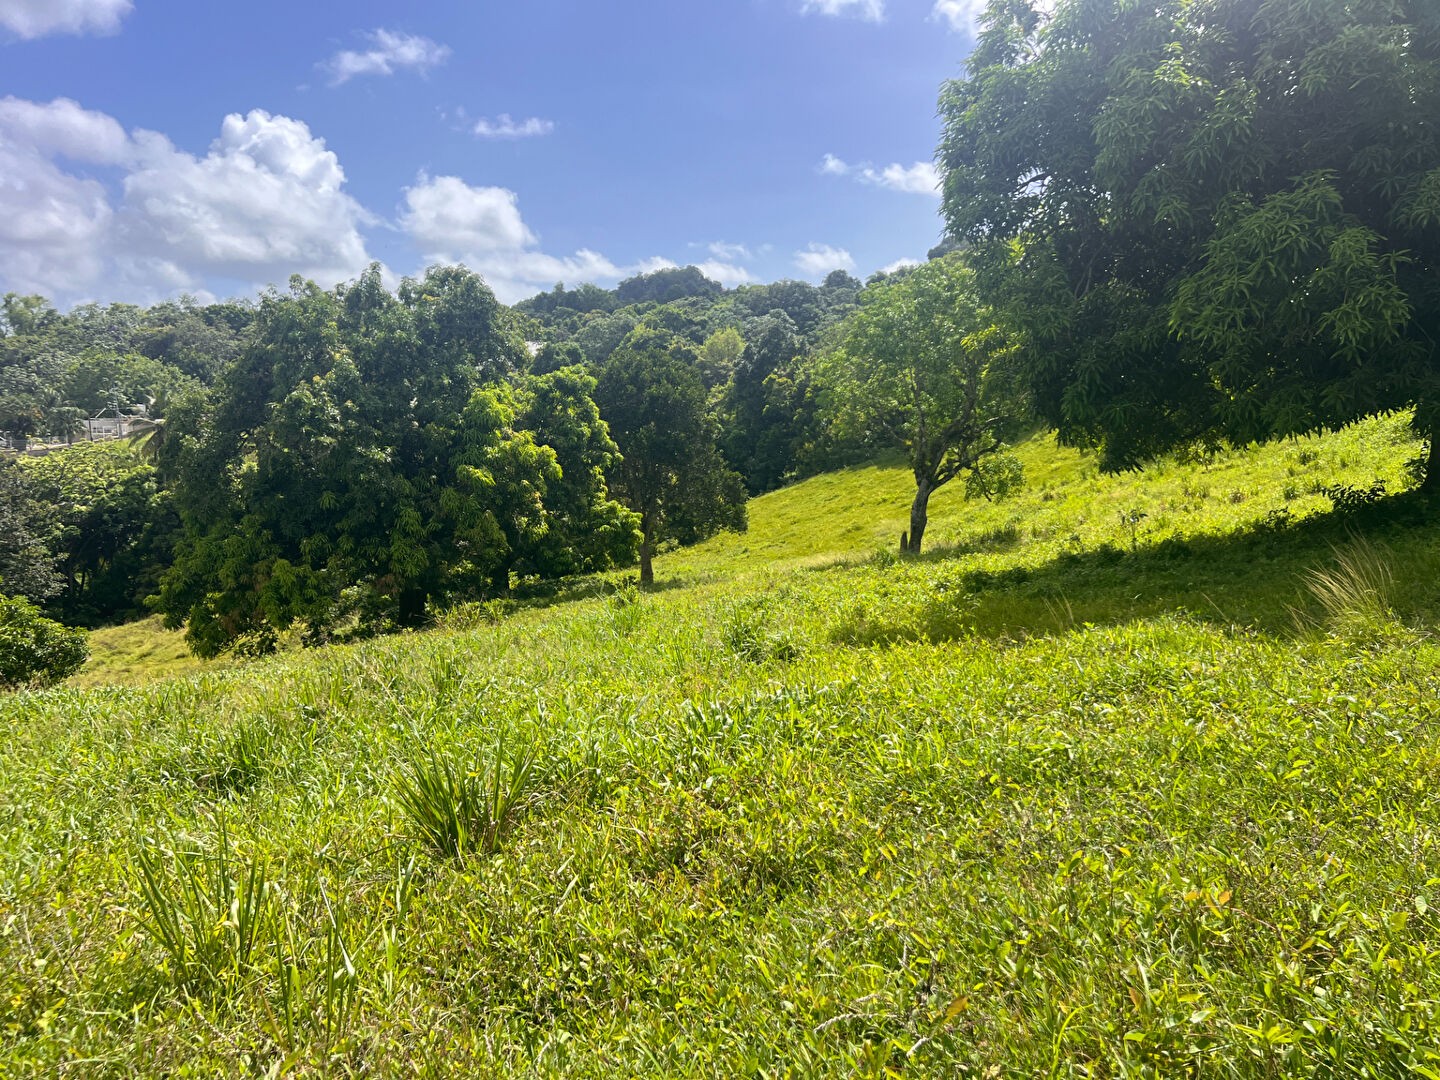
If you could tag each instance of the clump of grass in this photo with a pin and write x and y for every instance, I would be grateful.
(474, 614)
(746, 630)
(1354, 591)
(206, 909)
(224, 763)
(458, 810)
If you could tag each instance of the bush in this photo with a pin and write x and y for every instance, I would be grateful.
(34, 650)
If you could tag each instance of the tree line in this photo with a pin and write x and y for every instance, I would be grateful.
(352, 460)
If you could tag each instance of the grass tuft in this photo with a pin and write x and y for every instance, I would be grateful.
(1355, 590)
(206, 909)
(458, 810)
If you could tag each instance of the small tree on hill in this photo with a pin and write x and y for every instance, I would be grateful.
(922, 367)
(671, 472)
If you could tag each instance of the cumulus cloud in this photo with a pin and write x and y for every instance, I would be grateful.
(922, 178)
(503, 127)
(819, 259)
(899, 264)
(389, 52)
(37, 18)
(266, 200)
(869, 10)
(451, 221)
(726, 273)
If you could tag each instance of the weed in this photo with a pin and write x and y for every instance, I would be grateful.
(458, 810)
(1354, 591)
(746, 630)
(206, 909)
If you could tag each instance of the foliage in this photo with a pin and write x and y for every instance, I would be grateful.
(110, 528)
(1213, 219)
(27, 564)
(922, 368)
(364, 462)
(671, 473)
(34, 650)
(56, 369)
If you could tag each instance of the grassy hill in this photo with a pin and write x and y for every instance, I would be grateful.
(1130, 776)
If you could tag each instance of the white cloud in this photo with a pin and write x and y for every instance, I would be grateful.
(503, 127)
(819, 259)
(870, 10)
(389, 52)
(727, 274)
(922, 178)
(899, 264)
(265, 201)
(445, 214)
(37, 18)
(963, 16)
(455, 222)
(728, 252)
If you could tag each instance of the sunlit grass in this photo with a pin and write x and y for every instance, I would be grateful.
(1130, 777)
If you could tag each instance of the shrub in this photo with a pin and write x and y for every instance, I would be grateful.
(34, 650)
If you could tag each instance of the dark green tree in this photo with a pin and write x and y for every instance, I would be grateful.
(27, 565)
(34, 650)
(110, 528)
(1214, 219)
(671, 473)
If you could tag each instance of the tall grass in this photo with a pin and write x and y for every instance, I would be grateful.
(1355, 589)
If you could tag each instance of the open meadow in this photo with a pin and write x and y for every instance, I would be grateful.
(1128, 776)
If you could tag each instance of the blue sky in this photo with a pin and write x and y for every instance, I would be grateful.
(149, 147)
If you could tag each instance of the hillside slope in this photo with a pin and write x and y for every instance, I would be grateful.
(1130, 777)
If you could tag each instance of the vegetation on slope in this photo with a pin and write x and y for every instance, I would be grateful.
(1122, 804)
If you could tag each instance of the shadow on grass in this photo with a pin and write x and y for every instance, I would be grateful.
(1254, 578)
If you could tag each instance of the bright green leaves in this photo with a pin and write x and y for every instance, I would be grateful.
(922, 368)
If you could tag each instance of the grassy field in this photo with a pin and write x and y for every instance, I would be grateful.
(1131, 776)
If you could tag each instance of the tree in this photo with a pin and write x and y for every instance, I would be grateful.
(923, 367)
(761, 427)
(586, 529)
(368, 459)
(27, 565)
(671, 473)
(110, 528)
(34, 650)
(1214, 219)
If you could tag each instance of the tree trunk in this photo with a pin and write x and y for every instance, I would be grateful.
(918, 514)
(1431, 484)
(647, 548)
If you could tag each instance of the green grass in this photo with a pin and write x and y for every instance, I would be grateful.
(1083, 793)
(135, 653)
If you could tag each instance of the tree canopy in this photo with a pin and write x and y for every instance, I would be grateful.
(365, 459)
(922, 368)
(671, 473)
(1215, 219)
